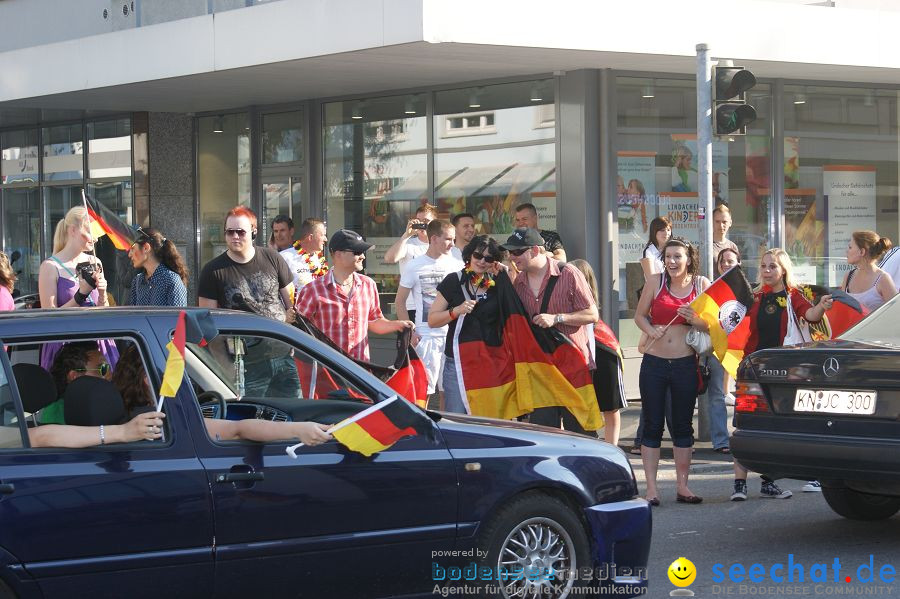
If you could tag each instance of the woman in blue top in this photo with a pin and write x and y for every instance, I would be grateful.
(163, 277)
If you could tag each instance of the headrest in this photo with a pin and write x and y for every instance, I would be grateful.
(36, 386)
(91, 401)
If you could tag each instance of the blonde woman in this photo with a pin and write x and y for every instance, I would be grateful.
(72, 278)
(7, 283)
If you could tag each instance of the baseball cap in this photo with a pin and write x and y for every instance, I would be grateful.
(523, 238)
(350, 241)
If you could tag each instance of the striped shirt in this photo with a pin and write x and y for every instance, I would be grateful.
(164, 288)
(344, 319)
(571, 294)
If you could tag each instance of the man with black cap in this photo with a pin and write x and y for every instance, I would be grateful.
(555, 295)
(344, 304)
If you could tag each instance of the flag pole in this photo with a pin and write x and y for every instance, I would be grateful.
(291, 451)
(666, 328)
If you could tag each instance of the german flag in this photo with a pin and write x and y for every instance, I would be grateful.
(845, 312)
(406, 376)
(508, 367)
(724, 306)
(103, 221)
(174, 372)
(380, 426)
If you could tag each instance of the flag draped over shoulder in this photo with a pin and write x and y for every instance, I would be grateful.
(104, 221)
(380, 426)
(513, 367)
(406, 376)
(724, 306)
(845, 312)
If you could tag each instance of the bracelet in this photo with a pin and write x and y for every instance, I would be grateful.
(452, 315)
(79, 297)
(102, 436)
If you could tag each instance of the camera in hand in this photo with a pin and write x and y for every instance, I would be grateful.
(420, 226)
(86, 271)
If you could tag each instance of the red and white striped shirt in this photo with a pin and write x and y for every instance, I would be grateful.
(345, 319)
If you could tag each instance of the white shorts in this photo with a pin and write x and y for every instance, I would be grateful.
(431, 352)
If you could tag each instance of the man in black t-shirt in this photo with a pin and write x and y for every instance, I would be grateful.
(527, 218)
(257, 280)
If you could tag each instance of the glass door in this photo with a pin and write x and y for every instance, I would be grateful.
(281, 194)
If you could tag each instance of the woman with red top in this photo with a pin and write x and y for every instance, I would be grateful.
(768, 328)
(670, 364)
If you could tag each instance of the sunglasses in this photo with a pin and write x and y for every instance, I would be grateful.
(486, 258)
(238, 232)
(103, 369)
(519, 251)
(352, 252)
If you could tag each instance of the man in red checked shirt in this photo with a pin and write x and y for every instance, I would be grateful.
(344, 304)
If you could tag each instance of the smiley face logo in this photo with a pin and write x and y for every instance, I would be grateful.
(682, 572)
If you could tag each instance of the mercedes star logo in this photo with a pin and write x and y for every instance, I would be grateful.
(831, 366)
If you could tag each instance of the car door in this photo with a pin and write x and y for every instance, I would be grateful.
(330, 523)
(108, 521)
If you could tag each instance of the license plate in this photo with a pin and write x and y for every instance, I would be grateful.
(833, 401)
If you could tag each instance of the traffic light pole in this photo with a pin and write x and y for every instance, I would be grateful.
(705, 198)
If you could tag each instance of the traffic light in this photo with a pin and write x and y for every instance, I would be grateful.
(731, 113)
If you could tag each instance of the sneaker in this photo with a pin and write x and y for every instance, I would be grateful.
(772, 491)
(740, 491)
(812, 486)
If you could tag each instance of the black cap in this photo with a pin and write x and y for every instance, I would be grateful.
(523, 238)
(347, 240)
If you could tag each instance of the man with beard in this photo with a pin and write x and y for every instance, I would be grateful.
(465, 231)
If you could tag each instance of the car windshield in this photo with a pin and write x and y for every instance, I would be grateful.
(881, 327)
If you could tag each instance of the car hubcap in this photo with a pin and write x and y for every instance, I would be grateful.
(535, 561)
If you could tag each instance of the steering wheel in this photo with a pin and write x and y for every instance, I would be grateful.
(210, 396)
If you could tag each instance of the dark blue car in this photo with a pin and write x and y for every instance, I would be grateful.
(512, 509)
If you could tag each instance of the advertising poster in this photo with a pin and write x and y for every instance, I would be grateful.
(636, 188)
(850, 206)
(684, 166)
(804, 234)
(682, 208)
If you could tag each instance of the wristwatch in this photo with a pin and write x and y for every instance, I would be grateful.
(558, 319)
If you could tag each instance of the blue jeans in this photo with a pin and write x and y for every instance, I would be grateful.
(659, 376)
(452, 398)
(272, 377)
(639, 434)
(718, 413)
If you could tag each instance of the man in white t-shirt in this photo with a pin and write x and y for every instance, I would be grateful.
(419, 282)
(890, 263)
(412, 244)
(305, 257)
(465, 231)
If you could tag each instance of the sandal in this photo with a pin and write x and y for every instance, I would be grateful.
(688, 498)
(724, 450)
(653, 501)
(635, 450)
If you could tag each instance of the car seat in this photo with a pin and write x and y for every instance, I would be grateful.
(92, 401)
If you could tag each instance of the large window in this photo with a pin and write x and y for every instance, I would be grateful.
(656, 148)
(376, 174)
(223, 164)
(840, 174)
(495, 148)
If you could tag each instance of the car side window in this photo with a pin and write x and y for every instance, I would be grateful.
(10, 431)
(255, 366)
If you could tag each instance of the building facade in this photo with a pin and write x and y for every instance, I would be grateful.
(358, 111)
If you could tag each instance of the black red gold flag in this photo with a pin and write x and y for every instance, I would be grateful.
(724, 306)
(845, 312)
(104, 221)
(377, 428)
(511, 367)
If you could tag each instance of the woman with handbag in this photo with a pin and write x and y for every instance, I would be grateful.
(775, 316)
(670, 364)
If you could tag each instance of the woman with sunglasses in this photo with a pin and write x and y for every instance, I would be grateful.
(469, 291)
(163, 277)
(73, 278)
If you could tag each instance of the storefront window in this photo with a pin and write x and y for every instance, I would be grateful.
(840, 174)
(118, 197)
(109, 149)
(656, 145)
(22, 235)
(223, 164)
(19, 156)
(376, 174)
(282, 137)
(495, 148)
(63, 152)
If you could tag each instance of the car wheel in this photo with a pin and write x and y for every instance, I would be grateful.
(860, 506)
(535, 534)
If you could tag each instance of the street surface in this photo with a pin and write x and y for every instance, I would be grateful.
(761, 531)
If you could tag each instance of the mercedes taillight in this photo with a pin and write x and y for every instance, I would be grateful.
(749, 398)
